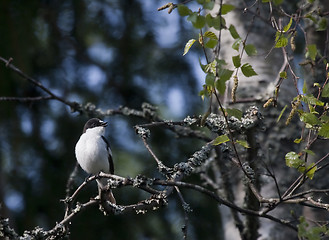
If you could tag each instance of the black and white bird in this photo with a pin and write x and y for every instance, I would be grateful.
(94, 154)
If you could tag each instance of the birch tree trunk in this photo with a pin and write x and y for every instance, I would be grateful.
(256, 24)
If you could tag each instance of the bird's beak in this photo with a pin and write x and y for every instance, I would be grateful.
(104, 124)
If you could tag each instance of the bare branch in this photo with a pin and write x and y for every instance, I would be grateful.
(26, 99)
(187, 209)
(9, 65)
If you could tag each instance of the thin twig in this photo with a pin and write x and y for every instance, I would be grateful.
(26, 99)
(162, 168)
(9, 65)
(186, 219)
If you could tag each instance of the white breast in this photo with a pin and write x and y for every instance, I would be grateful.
(91, 152)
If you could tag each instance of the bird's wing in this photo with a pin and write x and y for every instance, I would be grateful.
(109, 156)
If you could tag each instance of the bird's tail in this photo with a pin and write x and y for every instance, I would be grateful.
(103, 192)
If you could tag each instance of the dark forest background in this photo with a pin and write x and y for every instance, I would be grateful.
(108, 53)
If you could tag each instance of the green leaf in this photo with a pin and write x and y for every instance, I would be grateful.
(210, 79)
(287, 27)
(304, 87)
(278, 2)
(233, 32)
(200, 22)
(202, 93)
(298, 140)
(281, 113)
(236, 61)
(192, 17)
(324, 118)
(325, 91)
(219, 22)
(220, 62)
(209, 5)
(188, 46)
(183, 10)
(203, 67)
(311, 51)
(215, 22)
(280, 40)
(209, 20)
(311, 169)
(250, 49)
(309, 16)
(310, 152)
(211, 43)
(234, 112)
(302, 227)
(322, 24)
(312, 109)
(205, 92)
(221, 139)
(243, 143)
(310, 233)
(310, 99)
(211, 67)
(324, 130)
(309, 118)
(236, 44)
(293, 160)
(283, 74)
(224, 74)
(220, 86)
(226, 8)
(317, 85)
(211, 35)
(247, 70)
(305, 231)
